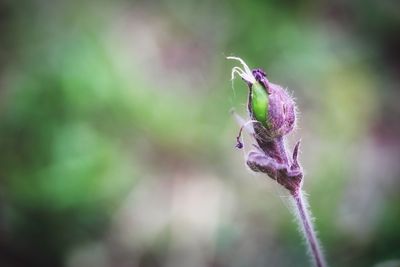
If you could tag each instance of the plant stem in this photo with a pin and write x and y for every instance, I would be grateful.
(307, 228)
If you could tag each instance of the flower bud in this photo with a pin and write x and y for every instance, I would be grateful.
(268, 103)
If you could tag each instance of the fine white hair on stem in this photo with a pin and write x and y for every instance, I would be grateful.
(306, 227)
(245, 73)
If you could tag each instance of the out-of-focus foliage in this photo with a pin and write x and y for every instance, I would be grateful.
(117, 146)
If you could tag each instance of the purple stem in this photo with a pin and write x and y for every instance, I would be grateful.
(303, 215)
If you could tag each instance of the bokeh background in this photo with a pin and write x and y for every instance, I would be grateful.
(117, 145)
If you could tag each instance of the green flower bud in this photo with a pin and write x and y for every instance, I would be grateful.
(259, 103)
(269, 104)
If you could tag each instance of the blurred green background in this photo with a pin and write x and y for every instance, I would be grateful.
(117, 146)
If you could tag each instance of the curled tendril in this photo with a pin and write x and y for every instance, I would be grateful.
(239, 143)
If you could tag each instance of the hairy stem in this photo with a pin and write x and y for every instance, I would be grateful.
(303, 215)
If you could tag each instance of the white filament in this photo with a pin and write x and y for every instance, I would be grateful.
(245, 73)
